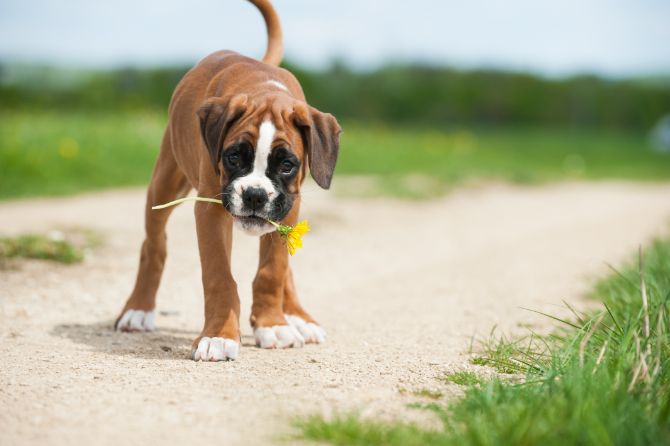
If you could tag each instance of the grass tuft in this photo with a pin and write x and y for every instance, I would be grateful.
(504, 355)
(464, 378)
(55, 246)
(423, 393)
(351, 430)
(39, 247)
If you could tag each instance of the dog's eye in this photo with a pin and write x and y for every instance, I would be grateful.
(286, 167)
(234, 159)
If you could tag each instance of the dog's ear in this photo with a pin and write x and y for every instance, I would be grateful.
(321, 134)
(216, 117)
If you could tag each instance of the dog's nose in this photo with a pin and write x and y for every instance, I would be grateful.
(254, 197)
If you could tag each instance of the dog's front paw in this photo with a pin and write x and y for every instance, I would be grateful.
(216, 349)
(311, 332)
(137, 320)
(278, 336)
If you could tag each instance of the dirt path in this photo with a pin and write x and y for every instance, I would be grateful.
(400, 287)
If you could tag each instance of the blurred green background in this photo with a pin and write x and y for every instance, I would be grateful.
(415, 129)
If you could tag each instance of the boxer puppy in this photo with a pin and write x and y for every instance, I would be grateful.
(241, 130)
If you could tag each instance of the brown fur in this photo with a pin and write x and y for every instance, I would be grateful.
(222, 97)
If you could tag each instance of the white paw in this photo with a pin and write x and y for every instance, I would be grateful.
(216, 349)
(312, 333)
(137, 320)
(278, 336)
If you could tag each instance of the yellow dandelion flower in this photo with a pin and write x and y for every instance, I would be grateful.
(293, 243)
(301, 228)
(292, 235)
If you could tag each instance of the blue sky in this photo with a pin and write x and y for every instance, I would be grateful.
(610, 37)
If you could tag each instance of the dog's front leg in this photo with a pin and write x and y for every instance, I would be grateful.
(271, 329)
(220, 337)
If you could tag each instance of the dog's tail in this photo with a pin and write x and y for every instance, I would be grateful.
(275, 49)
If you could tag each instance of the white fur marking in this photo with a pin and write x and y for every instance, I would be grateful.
(278, 336)
(137, 320)
(277, 84)
(253, 230)
(150, 321)
(312, 333)
(216, 349)
(266, 134)
(123, 322)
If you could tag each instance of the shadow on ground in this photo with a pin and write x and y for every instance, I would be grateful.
(166, 343)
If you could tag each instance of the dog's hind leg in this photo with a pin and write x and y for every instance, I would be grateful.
(297, 316)
(167, 183)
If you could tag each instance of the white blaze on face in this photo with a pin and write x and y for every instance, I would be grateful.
(257, 177)
(277, 84)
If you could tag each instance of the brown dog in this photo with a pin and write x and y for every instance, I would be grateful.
(240, 129)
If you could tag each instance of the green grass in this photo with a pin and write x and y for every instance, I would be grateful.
(68, 246)
(431, 161)
(63, 153)
(603, 381)
(50, 153)
(34, 246)
(423, 393)
(498, 353)
(464, 378)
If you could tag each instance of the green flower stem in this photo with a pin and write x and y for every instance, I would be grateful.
(284, 230)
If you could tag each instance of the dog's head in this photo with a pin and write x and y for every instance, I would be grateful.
(261, 149)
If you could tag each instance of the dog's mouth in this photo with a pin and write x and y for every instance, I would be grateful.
(252, 224)
(250, 219)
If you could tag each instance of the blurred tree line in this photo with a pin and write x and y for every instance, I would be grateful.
(408, 94)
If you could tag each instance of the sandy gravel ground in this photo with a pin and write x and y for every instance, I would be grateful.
(401, 287)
